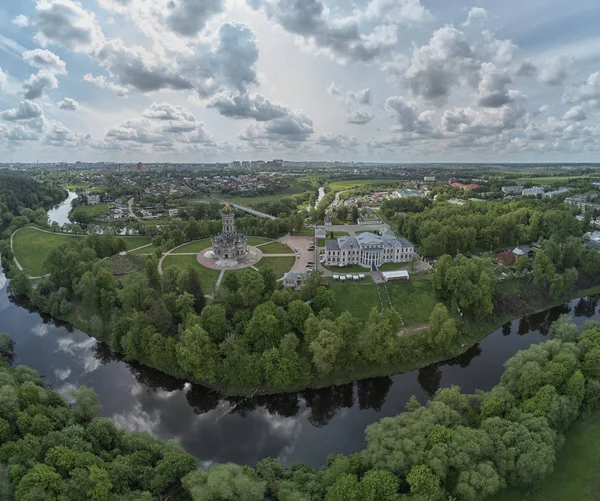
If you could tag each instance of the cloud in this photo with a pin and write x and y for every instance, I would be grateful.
(483, 122)
(445, 62)
(337, 142)
(407, 118)
(475, 14)
(576, 114)
(165, 111)
(3, 80)
(296, 127)
(357, 104)
(590, 91)
(136, 69)
(34, 86)
(340, 38)
(255, 106)
(22, 133)
(492, 92)
(508, 56)
(25, 111)
(188, 17)
(68, 104)
(555, 70)
(398, 11)
(45, 60)
(21, 21)
(67, 23)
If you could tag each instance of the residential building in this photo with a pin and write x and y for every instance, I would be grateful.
(429, 178)
(512, 190)
(532, 192)
(368, 250)
(406, 193)
(596, 186)
(328, 220)
(584, 202)
(294, 279)
(556, 193)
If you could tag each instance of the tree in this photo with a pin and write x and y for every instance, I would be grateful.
(345, 488)
(379, 485)
(251, 288)
(354, 214)
(264, 330)
(41, 480)
(442, 329)
(325, 349)
(323, 299)
(197, 355)
(214, 321)
(298, 312)
(424, 484)
(190, 282)
(19, 283)
(87, 406)
(226, 482)
(269, 279)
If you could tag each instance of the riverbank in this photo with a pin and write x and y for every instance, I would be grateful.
(470, 336)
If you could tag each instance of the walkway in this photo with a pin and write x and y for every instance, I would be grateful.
(140, 247)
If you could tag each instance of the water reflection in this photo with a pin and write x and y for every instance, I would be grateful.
(303, 426)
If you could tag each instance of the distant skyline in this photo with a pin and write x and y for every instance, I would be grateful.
(363, 80)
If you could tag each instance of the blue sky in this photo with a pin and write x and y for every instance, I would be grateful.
(369, 80)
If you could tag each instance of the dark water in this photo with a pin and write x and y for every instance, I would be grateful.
(303, 426)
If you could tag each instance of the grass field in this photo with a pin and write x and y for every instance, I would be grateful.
(195, 246)
(354, 183)
(208, 277)
(92, 210)
(414, 299)
(145, 250)
(554, 179)
(135, 242)
(280, 265)
(32, 246)
(249, 201)
(275, 248)
(575, 475)
(258, 240)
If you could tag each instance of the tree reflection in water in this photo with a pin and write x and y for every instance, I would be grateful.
(373, 392)
(586, 307)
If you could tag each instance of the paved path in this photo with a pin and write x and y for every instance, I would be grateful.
(289, 254)
(141, 247)
(219, 280)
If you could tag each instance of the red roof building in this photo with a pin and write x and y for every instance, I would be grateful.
(465, 186)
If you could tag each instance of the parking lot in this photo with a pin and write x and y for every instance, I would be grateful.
(304, 255)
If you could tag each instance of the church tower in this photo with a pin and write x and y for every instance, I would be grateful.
(228, 221)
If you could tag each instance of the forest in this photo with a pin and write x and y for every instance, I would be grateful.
(23, 200)
(459, 446)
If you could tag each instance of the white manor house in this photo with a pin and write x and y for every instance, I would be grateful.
(368, 250)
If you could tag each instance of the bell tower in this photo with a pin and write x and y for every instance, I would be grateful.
(228, 221)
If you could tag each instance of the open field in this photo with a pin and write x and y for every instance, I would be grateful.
(275, 248)
(280, 265)
(123, 265)
(92, 210)
(248, 201)
(145, 250)
(195, 246)
(352, 183)
(32, 246)
(556, 179)
(135, 242)
(254, 241)
(575, 475)
(208, 278)
(414, 299)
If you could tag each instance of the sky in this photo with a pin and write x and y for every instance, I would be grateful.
(352, 80)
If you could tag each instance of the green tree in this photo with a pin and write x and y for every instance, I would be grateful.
(87, 406)
(325, 349)
(225, 482)
(197, 355)
(42, 482)
(345, 488)
(379, 485)
(214, 321)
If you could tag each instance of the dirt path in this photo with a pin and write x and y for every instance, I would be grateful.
(412, 330)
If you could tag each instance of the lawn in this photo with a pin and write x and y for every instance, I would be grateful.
(32, 246)
(395, 266)
(280, 265)
(555, 179)
(146, 250)
(92, 210)
(208, 277)
(304, 232)
(414, 299)
(275, 248)
(135, 242)
(258, 240)
(195, 246)
(575, 475)
(355, 183)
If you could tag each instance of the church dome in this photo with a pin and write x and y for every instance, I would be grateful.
(227, 209)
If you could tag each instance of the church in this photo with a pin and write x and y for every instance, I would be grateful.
(229, 245)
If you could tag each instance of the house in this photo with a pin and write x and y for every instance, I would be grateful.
(556, 193)
(596, 186)
(465, 186)
(523, 250)
(368, 250)
(532, 192)
(91, 199)
(328, 220)
(406, 193)
(396, 275)
(173, 212)
(506, 257)
(512, 190)
(320, 233)
(294, 279)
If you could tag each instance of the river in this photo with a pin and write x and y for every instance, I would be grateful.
(320, 197)
(60, 212)
(303, 426)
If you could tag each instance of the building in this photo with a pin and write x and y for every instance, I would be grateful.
(229, 245)
(91, 199)
(506, 257)
(584, 202)
(294, 279)
(532, 192)
(406, 193)
(396, 275)
(523, 250)
(429, 178)
(556, 193)
(368, 250)
(173, 212)
(596, 186)
(320, 233)
(465, 186)
(512, 190)
(328, 220)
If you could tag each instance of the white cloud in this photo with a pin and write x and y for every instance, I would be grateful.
(576, 113)
(34, 86)
(475, 14)
(555, 70)
(45, 60)
(590, 91)
(68, 104)
(3, 80)
(21, 21)
(398, 11)
(24, 111)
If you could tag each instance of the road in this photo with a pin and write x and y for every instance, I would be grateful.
(248, 210)
(130, 205)
(304, 255)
